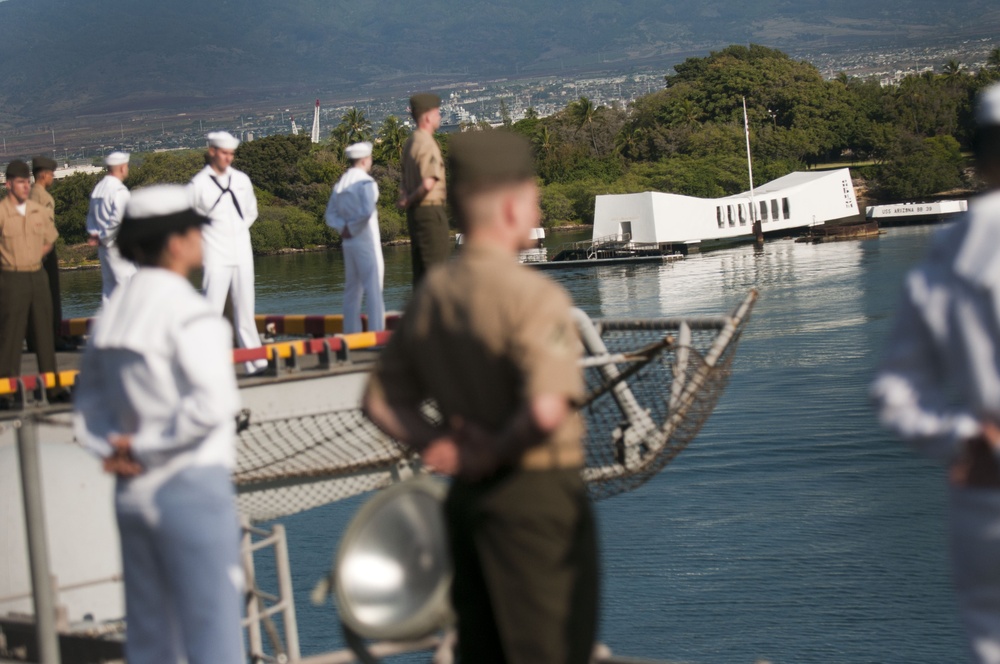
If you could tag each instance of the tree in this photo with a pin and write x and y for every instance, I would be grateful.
(389, 143)
(166, 168)
(272, 162)
(505, 114)
(917, 167)
(359, 127)
(582, 112)
(72, 199)
(354, 127)
(283, 226)
(953, 69)
(628, 139)
(993, 59)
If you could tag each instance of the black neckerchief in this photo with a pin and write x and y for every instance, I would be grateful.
(226, 190)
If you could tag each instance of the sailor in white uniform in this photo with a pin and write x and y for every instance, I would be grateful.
(107, 206)
(156, 398)
(352, 213)
(939, 385)
(226, 196)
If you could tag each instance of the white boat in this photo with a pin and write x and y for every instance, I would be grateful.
(536, 254)
(793, 202)
(901, 214)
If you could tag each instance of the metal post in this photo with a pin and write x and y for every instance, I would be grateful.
(38, 546)
(253, 612)
(287, 593)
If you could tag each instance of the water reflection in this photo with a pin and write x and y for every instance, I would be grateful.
(793, 520)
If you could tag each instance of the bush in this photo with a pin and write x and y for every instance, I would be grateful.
(72, 197)
(281, 227)
(918, 167)
(166, 168)
(557, 208)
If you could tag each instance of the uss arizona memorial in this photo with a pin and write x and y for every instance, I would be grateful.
(797, 200)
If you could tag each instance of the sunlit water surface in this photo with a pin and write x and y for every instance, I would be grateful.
(792, 529)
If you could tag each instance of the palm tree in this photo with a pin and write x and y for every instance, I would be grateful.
(392, 136)
(583, 112)
(628, 139)
(686, 113)
(953, 69)
(993, 59)
(356, 126)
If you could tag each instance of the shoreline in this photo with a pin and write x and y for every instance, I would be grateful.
(66, 266)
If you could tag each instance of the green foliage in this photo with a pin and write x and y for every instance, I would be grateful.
(354, 127)
(389, 143)
(320, 167)
(572, 202)
(272, 162)
(391, 220)
(72, 198)
(557, 207)
(282, 227)
(166, 168)
(916, 167)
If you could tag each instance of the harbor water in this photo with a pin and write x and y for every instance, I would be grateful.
(792, 530)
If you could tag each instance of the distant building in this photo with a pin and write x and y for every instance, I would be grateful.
(66, 170)
(797, 200)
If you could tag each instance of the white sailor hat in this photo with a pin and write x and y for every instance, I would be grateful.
(116, 159)
(223, 140)
(358, 150)
(988, 107)
(156, 211)
(162, 200)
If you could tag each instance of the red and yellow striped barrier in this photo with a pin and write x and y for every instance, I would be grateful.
(314, 326)
(64, 378)
(270, 352)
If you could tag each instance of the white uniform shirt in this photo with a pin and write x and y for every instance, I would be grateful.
(159, 367)
(107, 209)
(232, 206)
(353, 205)
(941, 374)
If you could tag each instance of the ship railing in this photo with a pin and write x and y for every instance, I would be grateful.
(651, 385)
(51, 619)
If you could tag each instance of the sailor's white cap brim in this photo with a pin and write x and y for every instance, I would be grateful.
(358, 150)
(223, 140)
(116, 159)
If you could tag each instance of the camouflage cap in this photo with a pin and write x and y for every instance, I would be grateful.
(39, 164)
(479, 160)
(422, 102)
(18, 169)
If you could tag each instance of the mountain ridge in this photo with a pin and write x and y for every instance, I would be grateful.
(65, 57)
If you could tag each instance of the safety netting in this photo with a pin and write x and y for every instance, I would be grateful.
(652, 384)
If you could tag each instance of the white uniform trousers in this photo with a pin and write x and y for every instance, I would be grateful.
(238, 280)
(181, 557)
(115, 270)
(364, 270)
(975, 552)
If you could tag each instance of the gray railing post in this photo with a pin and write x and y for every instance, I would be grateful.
(38, 546)
(286, 592)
